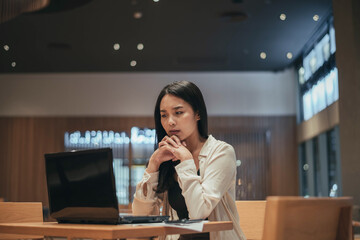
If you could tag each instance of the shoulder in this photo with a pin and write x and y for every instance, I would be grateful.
(217, 147)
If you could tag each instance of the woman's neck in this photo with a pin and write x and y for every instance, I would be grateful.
(194, 143)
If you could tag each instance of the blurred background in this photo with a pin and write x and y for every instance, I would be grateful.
(281, 81)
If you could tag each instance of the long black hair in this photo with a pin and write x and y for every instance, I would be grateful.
(191, 94)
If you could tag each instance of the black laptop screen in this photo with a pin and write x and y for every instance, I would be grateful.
(81, 184)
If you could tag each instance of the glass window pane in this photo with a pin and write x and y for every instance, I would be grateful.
(317, 167)
(321, 95)
(313, 61)
(314, 99)
(306, 65)
(333, 187)
(308, 111)
(304, 171)
(319, 55)
(332, 40)
(329, 84)
(325, 46)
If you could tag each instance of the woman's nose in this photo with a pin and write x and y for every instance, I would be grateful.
(171, 121)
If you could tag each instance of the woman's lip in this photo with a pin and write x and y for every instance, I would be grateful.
(174, 131)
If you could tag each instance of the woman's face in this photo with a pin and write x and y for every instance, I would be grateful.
(178, 117)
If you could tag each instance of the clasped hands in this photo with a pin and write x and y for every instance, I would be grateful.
(170, 148)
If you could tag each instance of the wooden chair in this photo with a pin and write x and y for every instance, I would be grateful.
(297, 218)
(17, 212)
(252, 214)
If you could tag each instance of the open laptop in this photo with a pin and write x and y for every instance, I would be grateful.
(81, 189)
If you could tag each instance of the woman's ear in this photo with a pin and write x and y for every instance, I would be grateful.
(197, 116)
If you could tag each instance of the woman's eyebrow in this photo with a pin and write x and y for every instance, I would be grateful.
(175, 108)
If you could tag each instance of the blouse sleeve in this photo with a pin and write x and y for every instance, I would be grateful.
(202, 195)
(146, 201)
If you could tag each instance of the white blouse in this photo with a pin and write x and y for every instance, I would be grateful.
(210, 195)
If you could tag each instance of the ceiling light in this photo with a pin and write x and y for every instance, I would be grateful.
(156, 0)
(262, 55)
(6, 48)
(316, 17)
(140, 46)
(289, 55)
(133, 63)
(116, 46)
(282, 16)
(13, 64)
(137, 15)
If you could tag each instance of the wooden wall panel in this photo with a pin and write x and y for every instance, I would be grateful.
(283, 157)
(24, 140)
(347, 31)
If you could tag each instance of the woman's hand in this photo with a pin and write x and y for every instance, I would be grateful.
(170, 148)
(179, 150)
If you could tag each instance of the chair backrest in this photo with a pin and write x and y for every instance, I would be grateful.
(295, 218)
(17, 212)
(252, 214)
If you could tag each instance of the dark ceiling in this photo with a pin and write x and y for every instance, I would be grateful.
(178, 35)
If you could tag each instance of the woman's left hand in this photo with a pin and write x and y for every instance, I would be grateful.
(179, 151)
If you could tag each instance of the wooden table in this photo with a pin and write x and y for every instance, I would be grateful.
(103, 231)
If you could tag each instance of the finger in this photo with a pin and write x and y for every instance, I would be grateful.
(176, 139)
(183, 143)
(161, 144)
(169, 148)
(165, 138)
(172, 142)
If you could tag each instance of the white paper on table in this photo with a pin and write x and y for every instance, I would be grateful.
(195, 226)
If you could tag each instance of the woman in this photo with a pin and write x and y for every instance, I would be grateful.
(192, 175)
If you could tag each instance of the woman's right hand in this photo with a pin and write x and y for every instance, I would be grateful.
(163, 153)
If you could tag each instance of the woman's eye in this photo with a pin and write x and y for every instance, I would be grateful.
(178, 113)
(163, 116)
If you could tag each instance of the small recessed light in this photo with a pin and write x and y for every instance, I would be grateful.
(133, 63)
(13, 64)
(6, 47)
(283, 16)
(316, 17)
(262, 55)
(289, 55)
(140, 46)
(156, 0)
(137, 15)
(116, 46)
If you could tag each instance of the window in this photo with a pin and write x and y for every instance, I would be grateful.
(319, 165)
(130, 154)
(333, 163)
(304, 170)
(318, 75)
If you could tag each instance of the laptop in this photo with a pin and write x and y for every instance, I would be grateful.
(81, 189)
